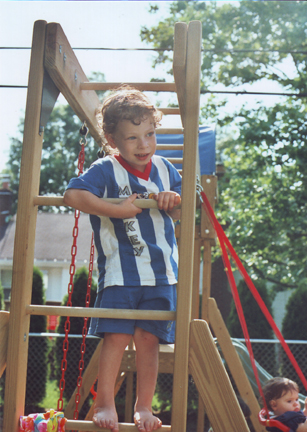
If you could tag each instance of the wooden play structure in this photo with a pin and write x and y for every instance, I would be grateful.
(53, 69)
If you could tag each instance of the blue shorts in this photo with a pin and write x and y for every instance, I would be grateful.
(142, 298)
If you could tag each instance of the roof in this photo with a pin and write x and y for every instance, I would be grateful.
(53, 238)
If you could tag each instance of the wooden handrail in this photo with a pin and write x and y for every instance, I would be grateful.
(57, 201)
(100, 313)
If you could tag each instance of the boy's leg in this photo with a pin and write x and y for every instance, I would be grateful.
(147, 362)
(111, 354)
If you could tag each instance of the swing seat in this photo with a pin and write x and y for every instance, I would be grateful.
(267, 422)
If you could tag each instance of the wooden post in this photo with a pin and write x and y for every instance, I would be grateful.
(206, 288)
(17, 356)
(187, 229)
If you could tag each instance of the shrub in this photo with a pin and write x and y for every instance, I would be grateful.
(2, 305)
(257, 325)
(37, 359)
(294, 327)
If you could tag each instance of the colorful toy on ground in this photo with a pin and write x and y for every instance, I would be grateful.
(51, 421)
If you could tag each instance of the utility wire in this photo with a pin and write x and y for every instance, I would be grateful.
(236, 92)
(213, 50)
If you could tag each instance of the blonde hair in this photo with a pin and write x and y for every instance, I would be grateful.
(124, 103)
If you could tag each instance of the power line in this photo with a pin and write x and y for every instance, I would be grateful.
(236, 92)
(213, 50)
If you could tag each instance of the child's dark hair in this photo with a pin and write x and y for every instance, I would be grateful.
(125, 103)
(275, 388)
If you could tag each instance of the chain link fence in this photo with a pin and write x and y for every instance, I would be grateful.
(268, 353)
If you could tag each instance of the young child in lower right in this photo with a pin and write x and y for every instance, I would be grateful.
(281, 396)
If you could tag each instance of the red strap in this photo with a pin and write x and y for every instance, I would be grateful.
(224, 242)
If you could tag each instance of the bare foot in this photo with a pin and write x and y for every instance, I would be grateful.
(106, 418)
(146, 421)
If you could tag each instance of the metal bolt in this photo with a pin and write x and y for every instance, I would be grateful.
(25, 337)
(207, 231)
(76, 76)
(60, 49)
(208, 180)
(64, 57)
(41, 129)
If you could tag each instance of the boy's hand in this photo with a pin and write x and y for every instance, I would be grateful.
(127, 209)
(305, 408)
(167, 200)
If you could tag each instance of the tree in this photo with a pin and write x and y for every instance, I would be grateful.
(242, 43)
(262, 196)
(294, 327)
(60, 152)
(76, 326)
(37, 370)
(257, 325)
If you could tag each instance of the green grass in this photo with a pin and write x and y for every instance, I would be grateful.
(50, 401)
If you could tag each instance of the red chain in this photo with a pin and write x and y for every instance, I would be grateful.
(84, 330)
(70, 288)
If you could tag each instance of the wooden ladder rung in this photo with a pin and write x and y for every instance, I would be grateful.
(169, 111)
(169, 131)
(169, 146)
(143, 86)
(100, 313)
(90, 426)
(57, 201)
(175, 160)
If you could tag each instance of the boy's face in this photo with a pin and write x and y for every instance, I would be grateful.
(287, 402)
(135, 143)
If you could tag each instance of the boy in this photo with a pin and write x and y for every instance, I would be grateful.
(137, 251)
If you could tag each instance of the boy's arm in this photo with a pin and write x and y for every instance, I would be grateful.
(87, 202)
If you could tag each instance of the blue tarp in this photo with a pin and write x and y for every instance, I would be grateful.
(206, 148)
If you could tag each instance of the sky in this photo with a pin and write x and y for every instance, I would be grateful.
(86, 24)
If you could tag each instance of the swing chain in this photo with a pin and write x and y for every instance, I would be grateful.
(199, 189)
(83, 141)
(83, 131)
(84, 330)
(72, 269)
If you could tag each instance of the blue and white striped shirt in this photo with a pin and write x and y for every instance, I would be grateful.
(141, 250)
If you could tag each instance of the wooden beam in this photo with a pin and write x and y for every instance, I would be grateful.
(191, 91)
(179, 64)
(67, 74)
(209, 185)
(234, 363)
(212, 381)
(17, 354)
